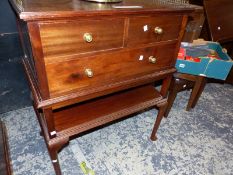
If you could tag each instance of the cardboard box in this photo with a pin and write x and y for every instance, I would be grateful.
(208, 59)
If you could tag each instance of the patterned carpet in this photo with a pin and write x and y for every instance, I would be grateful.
(193, 143)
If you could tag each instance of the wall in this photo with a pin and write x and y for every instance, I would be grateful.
(14, 91)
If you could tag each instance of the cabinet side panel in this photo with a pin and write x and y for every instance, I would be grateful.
(26, 46)
(38, 58)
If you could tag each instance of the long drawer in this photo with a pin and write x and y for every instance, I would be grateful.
(94, 71)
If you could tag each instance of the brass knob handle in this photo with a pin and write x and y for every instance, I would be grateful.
(87, 37)
(158, 30)
(89, 73)
(152, 59)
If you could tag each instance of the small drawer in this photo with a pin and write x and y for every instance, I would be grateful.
(145, 30)
(99, 70)
(77, 37)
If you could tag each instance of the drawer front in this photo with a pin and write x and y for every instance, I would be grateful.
(145, 30)
(91, 72)
(77, 37)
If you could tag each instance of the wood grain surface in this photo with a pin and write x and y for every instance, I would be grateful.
(67, 37)
(82, 117)
(141, 29)
(107, 68)
(45, 9)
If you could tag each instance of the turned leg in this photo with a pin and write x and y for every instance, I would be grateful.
(162, 107)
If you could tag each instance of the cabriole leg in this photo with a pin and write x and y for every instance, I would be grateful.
(162, 107)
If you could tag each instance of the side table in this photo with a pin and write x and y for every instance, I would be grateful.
(182, 82)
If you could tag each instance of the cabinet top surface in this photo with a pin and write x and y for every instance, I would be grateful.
(44, 9)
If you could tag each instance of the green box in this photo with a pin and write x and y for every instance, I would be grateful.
(208, 67)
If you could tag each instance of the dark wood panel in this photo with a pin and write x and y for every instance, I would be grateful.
(219, 16)
(94, 113)
(194, 26)
(107, 68)
(220, 26)
(196, 2)
(142, 29)
(67, 37)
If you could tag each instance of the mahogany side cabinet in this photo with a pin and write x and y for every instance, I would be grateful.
(89, 64)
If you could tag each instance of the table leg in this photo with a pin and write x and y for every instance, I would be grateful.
(162, 107)
(54, 145)
(196, 92)
(202, 86)
(165, 86)
(172, 95)
(55, 162)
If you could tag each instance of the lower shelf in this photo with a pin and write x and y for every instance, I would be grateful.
(84, 116)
